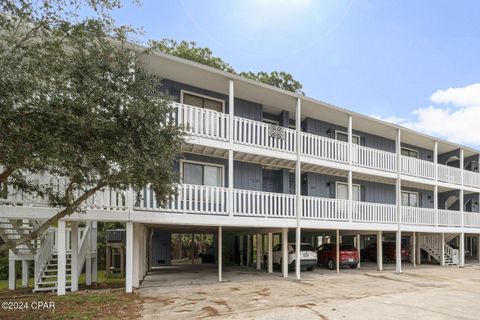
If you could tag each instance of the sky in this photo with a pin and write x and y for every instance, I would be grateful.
(415, 63)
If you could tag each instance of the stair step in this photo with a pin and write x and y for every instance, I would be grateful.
(50, 289)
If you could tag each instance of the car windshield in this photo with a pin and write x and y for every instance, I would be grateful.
(347, 247)
(304, 247)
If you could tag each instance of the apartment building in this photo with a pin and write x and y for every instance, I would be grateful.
(263, 161)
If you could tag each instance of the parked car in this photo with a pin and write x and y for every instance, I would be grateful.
(308, 256)
(327, 254)
(388, 250)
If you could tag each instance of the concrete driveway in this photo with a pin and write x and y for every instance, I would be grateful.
(427, 292)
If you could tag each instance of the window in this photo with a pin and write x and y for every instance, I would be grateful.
(343, 136)
(342, 191)
(270, 121)
(409, 152)
(202, 101)
(202, 174)
(409, 199)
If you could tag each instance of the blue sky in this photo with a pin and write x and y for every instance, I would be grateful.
(411, 62)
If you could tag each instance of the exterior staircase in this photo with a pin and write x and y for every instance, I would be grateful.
(432, 244)
(11, 229)
(47, 280)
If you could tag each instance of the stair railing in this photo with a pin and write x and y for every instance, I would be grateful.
(452, 253)
(43, 254)
(83, 248)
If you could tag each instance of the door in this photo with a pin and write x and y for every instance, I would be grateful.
(342, 191)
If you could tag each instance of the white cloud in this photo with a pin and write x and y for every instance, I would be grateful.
(458, 122)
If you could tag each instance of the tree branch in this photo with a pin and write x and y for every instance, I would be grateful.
(5, 174)
(44, 227)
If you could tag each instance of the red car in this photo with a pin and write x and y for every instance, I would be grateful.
(327, 253)
(370, 252)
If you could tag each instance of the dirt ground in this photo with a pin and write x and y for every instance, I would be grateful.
(427, 292)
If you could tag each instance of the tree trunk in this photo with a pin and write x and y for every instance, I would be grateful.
(5, 174)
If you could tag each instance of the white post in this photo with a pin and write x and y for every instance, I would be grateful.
(419, 250)
(435, 159)
(62, 258)
(129, 258)
(337, 250)
(462, 249)
(94, 248)
(259, 251)
(12, 275)
(413, 251)
(270, 253)
(285, 252)
(442, 250)
(25, 273)
(240, 248)
(231, 109)
(219, 254)
(74, 255)
(358, 249)
(136, 255)
(248, 251)
(379, 251)
(298, 190)
(398, 252)
(398, 242)
(88, 258)
(350, 175)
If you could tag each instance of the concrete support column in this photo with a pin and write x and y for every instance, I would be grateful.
(270, 253)
(379, 251)
(285, 252)
(259, 251)
(129, 258)
(74, 255)
(359, 249)
(220, 236)
(462, 249)
(298, 189)
(240, 248)
(25, 273)
(413, 250)
(62, 258)
(136, 255)
(442, 250)
(12, 274)
(94, 248)
(398, 252)
(88, 260)
(337, 250)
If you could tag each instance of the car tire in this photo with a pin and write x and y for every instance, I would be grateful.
(354, 266)
(331, 264)
(265, 263)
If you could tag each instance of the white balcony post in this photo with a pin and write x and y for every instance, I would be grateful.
(462, 209)
(62, 258)
(259, 251)
(337, 250)
(398, 242)
(413, 251)
(25, 273)
(462, 249)
(88, 257)
(298, 188)
(231, 109)
(285, 252)
(435, 159)
(74, 255)
(358, 249)
(270, 253)
(379, 251)
(93, 247)
(350, 175)
(12, 274)
(220, 250)
(435, 203)
(129, 258)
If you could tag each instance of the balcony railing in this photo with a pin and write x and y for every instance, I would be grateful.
(449, 218)
(374, 158)
(374, 212)
(263, 204)
(324, 208)
(202, 122)
(418, 216)
(471, 178)
(316, 146)
(472, 219)
(417, 167)
(449, 174)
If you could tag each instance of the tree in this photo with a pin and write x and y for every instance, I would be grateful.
(282, 80)
(76, 103)
(190, 51)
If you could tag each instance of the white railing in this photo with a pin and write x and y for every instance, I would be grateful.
(108, 199)
(324, 208)
(202, 122)
(324, 148)
(374, 212)
(471, 178)
(43, 254)
(264, 204)
(374, 158)
(264, 135)
(83, 248)
(418, 216)
(417, 167)
(449, 174)
(472, 219)
(188, 199)
(452, 253)
(449, 218)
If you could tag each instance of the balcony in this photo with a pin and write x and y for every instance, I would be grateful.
(417, 167)
(449, 174)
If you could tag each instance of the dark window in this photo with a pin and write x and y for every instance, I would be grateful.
(202, 102)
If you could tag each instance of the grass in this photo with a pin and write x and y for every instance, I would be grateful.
(104, 300)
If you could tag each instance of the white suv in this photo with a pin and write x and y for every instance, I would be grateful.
(308, 256)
